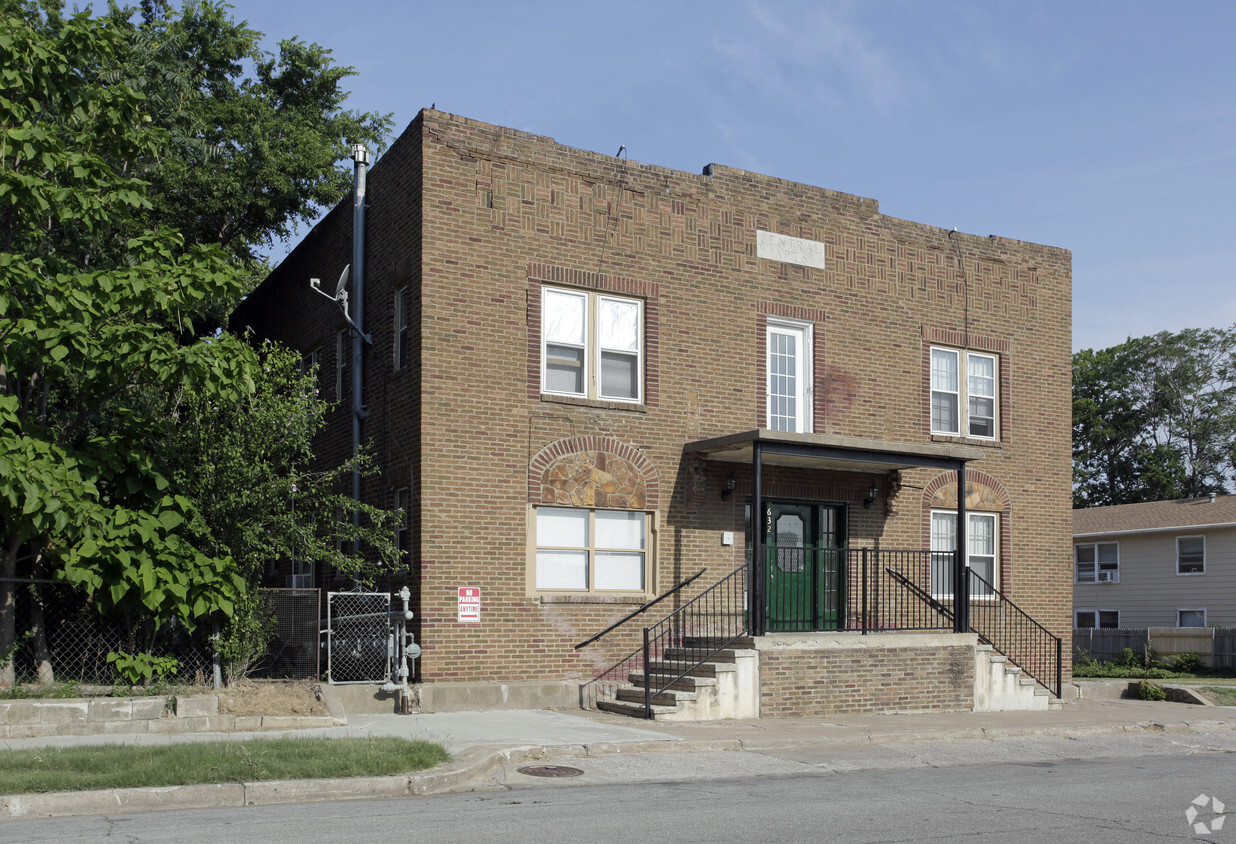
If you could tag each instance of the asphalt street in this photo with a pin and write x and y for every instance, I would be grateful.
(1126, 788)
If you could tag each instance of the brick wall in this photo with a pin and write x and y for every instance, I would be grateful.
(837, 682)
(478, 218)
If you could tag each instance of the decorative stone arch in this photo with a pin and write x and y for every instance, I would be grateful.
(983, 492)
(594, 472)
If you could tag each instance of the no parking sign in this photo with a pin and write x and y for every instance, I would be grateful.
(469, 604)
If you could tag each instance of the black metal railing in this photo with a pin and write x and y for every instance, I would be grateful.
(1015, 634)
(643, 609)
(693, 634)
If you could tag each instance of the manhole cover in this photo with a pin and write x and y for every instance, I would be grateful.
(549, 771)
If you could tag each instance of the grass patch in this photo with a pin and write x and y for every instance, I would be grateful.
(1219, 695)
(122, 766)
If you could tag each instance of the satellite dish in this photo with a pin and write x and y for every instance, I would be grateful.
(343, 280)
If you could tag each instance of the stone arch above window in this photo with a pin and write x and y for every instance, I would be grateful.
(983, 492)
(593, 472)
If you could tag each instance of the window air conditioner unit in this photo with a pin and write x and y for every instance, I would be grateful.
(1109, 577)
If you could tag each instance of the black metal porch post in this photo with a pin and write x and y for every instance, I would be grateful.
(961, 569)
(756, 592)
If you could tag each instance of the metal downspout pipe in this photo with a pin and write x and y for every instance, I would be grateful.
(360, 155)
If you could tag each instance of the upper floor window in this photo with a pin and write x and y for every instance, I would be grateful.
(343, 365)
(1190, 555)
(963, 404)
(401, 328)
(311, 366)
(1097, 562)
(788, 355)
(592, 345)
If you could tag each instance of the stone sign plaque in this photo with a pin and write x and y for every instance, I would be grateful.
(790, 250)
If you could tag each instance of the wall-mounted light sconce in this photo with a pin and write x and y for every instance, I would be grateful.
(872, 495)
(728, 489)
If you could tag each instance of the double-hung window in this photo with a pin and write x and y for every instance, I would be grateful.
(343, 365)
(1097, 562)
(981, 552)
(788, 354)
(310, 367)
(592, 345)
(401, 329)
(1096, 618)
(1190, 555)
(579, 550)
(963, 403)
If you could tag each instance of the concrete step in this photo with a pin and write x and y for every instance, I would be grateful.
(697, 654)
(707, 669)
(741, 643)
(667, 698)
(690, 683)
(619, 707)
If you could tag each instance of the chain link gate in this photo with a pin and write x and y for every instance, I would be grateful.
(367, 641)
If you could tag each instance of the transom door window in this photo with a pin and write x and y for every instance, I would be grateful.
(580, 550)
(963, 404)
(1097, 562)
(1190, 556)
(981, 552)
(592, 345)
(788, 354)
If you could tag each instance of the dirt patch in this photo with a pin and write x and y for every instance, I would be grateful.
(273, 697)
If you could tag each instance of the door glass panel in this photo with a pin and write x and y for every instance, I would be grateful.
(790, 533)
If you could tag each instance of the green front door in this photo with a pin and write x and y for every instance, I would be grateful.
(804, 569)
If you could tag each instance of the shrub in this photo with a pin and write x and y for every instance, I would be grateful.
(1146, 690)
(1187, 663)
(243, 641)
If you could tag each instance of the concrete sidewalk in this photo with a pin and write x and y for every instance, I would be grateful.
(483, 741)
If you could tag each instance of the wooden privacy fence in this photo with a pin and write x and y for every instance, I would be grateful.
(1215, 645)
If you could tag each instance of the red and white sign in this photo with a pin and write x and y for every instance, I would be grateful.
(469, 604)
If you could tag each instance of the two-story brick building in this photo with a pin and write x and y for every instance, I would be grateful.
(586, 373)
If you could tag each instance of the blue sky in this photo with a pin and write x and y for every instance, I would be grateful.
(1108, 128)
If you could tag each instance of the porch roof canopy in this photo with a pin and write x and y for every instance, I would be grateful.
(829, 451)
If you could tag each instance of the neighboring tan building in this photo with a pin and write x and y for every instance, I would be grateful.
(580, 366)
(1159, 564)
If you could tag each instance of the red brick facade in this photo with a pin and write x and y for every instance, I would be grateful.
(475, 221)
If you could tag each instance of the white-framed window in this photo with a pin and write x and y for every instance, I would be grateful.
(966, 404)
(400, 329)
(403, 534)
(1097, 562)
(787, 347)
(592, 345)
(302, 574)
(1096, 618)
(311, 366)
(582, 550)
(1191, 617)
(982, 531)
(343, 365)
(1190, 555)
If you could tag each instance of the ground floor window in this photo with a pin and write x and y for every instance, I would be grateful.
(981, 551)
(1191, 618)
(1096, 618)
(580, 550)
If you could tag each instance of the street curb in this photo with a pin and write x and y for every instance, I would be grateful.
(463, 773)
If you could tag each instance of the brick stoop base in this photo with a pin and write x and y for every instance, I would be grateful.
(155, 714)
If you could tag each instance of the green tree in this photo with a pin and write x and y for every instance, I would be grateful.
(1153, 418)
(103, 354)
(254, 138)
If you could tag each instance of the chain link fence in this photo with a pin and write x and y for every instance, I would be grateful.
(61, 637)
(293, 652)
(359, 639)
